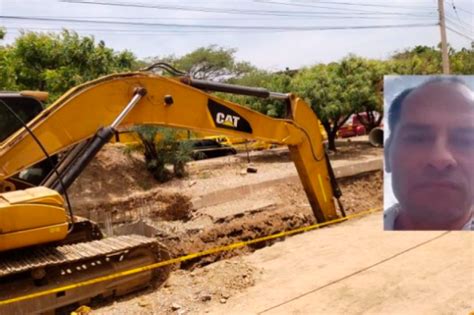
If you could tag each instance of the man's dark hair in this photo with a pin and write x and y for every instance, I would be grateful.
(396, 105)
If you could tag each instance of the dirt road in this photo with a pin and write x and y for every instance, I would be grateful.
(348, 268)
(356, 268)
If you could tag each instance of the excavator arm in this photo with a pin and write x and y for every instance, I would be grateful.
(122, 100)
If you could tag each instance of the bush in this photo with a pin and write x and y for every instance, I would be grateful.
(160, 147)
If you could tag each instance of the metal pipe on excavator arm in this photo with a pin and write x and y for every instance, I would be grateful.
(78, 114)
(102, 136)
(139, 93)
(233, 88)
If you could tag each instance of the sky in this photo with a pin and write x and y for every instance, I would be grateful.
(267, 33)
(394, 85)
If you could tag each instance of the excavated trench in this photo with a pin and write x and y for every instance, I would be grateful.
(216, 205)
(173, 220)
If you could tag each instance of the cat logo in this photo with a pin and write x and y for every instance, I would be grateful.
(228, 120)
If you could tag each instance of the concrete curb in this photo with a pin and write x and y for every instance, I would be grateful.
(236, 193)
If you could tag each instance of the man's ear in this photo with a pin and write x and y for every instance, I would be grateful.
(386, 153)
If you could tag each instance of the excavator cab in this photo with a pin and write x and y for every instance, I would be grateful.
(26, 105)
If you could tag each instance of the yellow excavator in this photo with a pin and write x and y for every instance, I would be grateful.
(43, 245)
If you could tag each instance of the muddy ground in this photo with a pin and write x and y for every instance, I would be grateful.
(117, 191)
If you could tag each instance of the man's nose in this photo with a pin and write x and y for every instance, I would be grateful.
(441, 157)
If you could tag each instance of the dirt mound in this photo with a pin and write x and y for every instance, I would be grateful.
(362, 192)
(111, 175)
(178, 207)
(154, 204)
(234, 229)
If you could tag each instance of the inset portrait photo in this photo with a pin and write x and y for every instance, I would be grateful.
(429, 153)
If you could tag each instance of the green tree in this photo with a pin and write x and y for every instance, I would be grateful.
(208, 63)
(7, 72)
(160, 147)
(57, 62)
(417, 60)
(369, 99)
(338, 90)
(320, 87)
(274, 82)
(462, 61)
(427, 60)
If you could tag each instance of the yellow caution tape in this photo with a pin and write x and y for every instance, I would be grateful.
(183, 258)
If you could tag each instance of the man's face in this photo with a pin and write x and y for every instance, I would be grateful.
(431, 153)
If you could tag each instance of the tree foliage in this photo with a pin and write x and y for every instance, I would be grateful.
(338, 90)
(209, 63)
(462, 61)
(427, 60)
(335, 91)
(274, 82)
(57, 62)
(7, 73)
(160, 147)
(370, 97)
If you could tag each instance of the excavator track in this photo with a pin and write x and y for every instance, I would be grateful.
(25, 272)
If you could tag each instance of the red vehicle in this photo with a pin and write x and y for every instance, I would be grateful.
(352, 127)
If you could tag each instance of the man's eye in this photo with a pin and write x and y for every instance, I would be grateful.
(464, 142)
(414, 139)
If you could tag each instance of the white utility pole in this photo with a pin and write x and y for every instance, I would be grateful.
(444, 45)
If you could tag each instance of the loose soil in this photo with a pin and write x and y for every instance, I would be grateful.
(116, 190)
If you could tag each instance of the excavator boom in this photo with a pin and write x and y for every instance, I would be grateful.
(83, 110)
